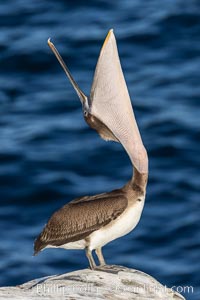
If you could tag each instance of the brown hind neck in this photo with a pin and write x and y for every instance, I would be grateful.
(137, 185)
(139, 179)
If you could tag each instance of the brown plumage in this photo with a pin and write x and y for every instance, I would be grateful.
(104, 132)
(80, 217)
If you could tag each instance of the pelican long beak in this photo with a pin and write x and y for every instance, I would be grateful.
(80, 94)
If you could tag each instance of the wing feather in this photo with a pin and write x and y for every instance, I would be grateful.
(79, 218)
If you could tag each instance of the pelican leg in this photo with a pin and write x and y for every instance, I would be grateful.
(100, 257)
(90, 258)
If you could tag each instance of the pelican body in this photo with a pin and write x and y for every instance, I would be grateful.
(90, 222)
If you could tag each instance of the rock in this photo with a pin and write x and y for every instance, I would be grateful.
(109, 282)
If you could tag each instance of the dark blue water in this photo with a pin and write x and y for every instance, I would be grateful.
(48, 155)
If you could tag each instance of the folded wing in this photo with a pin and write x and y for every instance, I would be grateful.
(79, 218)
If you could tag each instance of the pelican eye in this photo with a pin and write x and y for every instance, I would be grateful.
(139, 200)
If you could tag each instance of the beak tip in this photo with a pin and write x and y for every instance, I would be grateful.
(49, 41)
(109, 35)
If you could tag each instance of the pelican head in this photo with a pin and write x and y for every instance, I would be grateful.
(108, 109)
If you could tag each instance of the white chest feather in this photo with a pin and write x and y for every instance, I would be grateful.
(117, 228)
(73, 245)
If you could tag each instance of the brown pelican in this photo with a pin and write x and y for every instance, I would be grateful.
(91, 222)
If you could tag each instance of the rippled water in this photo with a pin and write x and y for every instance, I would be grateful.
(48, 155)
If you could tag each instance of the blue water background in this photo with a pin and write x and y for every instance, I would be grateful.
(48, 155)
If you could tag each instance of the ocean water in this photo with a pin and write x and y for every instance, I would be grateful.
(48, 154)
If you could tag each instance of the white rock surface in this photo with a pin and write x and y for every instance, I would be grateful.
(110, 283)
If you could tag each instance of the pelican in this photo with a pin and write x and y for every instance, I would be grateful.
(90, 222)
